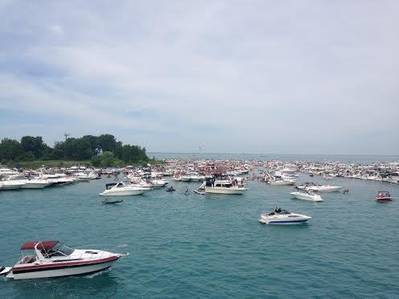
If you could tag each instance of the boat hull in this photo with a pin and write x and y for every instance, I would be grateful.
(282, 222)
(301, 196)
(221, 190)
(61, 272)
(35, 185)
(123, 193)
(10, 186)
(325, 189)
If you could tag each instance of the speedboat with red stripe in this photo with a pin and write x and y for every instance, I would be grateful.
(54, 259)
(383, 196)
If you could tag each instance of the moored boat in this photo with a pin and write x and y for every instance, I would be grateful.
(122, 189)
(283, 217)
(309, 196)
(213, 186)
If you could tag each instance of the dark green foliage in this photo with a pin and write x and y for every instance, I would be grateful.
(102, 150)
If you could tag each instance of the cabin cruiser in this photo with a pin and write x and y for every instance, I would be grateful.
(36, 183)
(195, 177)
(223, 186)
(319, 188)
(122, 189)
(383, 196)
(59, 179)
(53, 259)
(310, 196)
(140, 182)
(283, 217)
(275, 181)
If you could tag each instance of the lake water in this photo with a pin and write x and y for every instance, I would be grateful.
(192, 246)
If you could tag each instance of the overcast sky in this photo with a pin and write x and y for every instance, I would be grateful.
(220, 76)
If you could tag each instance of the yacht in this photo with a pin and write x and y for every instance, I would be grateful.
(53, 259)
(122, 189)
(213, 186)
(283, 217)
(310, 196)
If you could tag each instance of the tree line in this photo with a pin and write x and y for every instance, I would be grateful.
(103, 150)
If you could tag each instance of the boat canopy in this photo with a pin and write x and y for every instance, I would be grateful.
(46, 245)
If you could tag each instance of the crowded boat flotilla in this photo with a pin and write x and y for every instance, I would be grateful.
(312, 182)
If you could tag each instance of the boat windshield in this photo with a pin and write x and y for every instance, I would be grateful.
(59, 250)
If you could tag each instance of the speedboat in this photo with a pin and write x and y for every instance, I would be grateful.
(324, 188)
(122, 189)
(319, 188)
(283, 217)
(53, 259)
(383, 196)
(310, 196)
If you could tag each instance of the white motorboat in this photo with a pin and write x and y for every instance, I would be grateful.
(281, 182)
(36, 184)
(324, 188)
(59, 179)
(122, 189)
(223, 187)
(158, 183)
(195, 177)
(307, 196)
(283, 217)
(319, 188)
(11, 184)
(53, 259)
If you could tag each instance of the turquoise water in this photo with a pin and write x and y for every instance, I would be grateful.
(198, 246)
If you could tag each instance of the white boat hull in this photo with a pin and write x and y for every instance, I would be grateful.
(308, 197)
(325, 189)
(7, 186)
(71, 271)
(29, 185)
(282, 183)
(223, 190)
(123, 193)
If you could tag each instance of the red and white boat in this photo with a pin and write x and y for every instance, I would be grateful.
(53, 259)
(383, 196)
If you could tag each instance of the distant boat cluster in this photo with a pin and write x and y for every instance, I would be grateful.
(387, 172)
(13, 179)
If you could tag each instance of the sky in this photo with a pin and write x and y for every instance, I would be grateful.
(231, 76)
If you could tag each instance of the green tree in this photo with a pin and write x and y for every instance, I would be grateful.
(107, 142)
(33, 145)
(10, 149)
